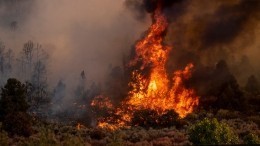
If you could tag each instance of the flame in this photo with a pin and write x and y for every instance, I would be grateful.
(79, 126)
(154, 91)
(157, 92)
(102, 102)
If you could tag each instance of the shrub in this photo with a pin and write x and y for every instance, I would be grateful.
(116, 139)
(251, 139)
(210, 131)
(18, 124)
(4, 139)
(97, 134)
(44, 137)
(150, 118)
(73, 140)
(227, 114)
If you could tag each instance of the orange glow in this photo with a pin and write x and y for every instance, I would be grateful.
(155, 92)
(102, 102)
(79, 126)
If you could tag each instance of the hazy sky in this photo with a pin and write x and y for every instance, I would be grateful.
(78, 34)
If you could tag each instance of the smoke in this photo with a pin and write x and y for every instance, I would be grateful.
(204, 32)
(14, 11)
(80, 35)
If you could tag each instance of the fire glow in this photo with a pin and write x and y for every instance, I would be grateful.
(155, 91)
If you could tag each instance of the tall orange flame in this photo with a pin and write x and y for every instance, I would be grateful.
(157, 92)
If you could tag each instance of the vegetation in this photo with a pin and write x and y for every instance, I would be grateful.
(210, 131)
(58, 134)
(13, 108)
(228, 112)
(148, 118)
(251, 139)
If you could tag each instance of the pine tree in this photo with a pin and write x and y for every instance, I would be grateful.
(13, 108)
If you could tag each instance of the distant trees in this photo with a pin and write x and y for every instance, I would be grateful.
(252, 89)
(6, 60)
(13, 108)
(85, 91)
(252, 85)
(33, 65)
(116, 85)
(59, 92)
(81, 89)
(218, 88)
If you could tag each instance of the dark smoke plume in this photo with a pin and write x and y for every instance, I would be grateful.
(215, 35)
(210, 30)
(229, 21)
(141, 7)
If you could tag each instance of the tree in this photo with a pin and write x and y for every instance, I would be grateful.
(252, 85)
(39, 83)
(13, 98)
(223, 85)
(33, 61)
(59, 92)
(13, 108)
(6, 57)
(81, 91)
(27, 58)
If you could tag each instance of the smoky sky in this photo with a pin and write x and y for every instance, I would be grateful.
(12, 11)
(79, 35)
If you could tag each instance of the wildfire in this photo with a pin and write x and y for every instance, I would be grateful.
(79, 126)
(101, 102)
(153, 90)
(157, 92)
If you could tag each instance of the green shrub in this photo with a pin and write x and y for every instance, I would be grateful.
(251, 139)
(210, 131)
